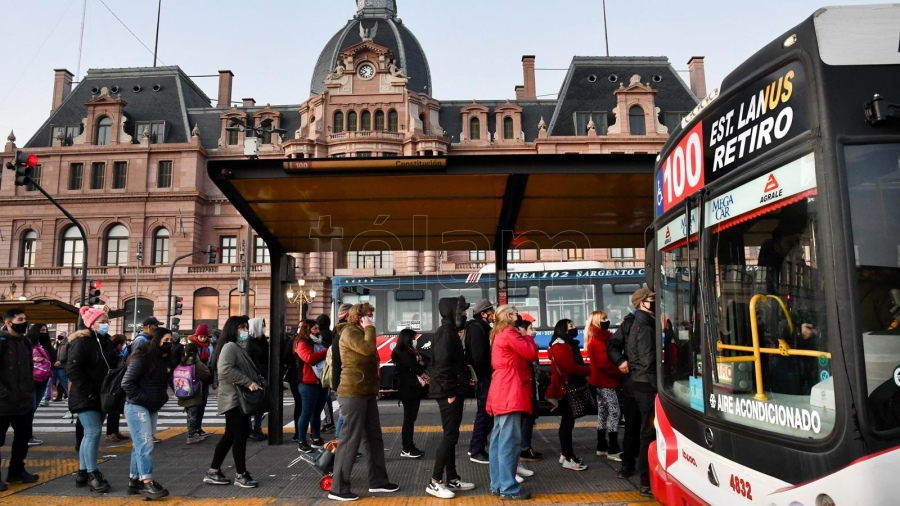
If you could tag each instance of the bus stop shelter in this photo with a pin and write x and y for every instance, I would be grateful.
(43, 311)
(479, 202)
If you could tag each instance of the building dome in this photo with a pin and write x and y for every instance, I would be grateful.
(377, 20)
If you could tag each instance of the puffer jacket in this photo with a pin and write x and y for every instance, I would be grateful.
(511, 357)
(449, 370)
(604, 373)
(566, 366)
(16, 378)
(90, 356)
(359, 362)
(145, 387)
(641, 351)
(234, 368)
(408, 370)
(304, 350)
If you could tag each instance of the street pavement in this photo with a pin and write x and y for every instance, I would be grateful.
(286, 479)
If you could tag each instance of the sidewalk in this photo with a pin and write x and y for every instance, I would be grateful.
(285, 479)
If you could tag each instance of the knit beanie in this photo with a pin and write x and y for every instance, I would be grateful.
(90, 314)
(202, 330)
(343, 310)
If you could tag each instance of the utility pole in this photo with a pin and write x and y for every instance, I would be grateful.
(209, 251)
(137, 272)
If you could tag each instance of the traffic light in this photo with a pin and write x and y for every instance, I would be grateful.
(177, 305)
(212, 253)
(175, 323)
(23, 164)
(94, 292)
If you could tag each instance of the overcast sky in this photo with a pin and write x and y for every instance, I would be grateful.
(474, 47)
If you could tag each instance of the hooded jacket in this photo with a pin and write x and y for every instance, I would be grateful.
(641, 351)
(144, 387)
(359, 359)
(615, 349)
(90, 356)
(16, 377)
(449, 370)
(257, 345)
(324, 323)
(566, 366)
(336, 362)
(604, 373)
(511, 359)
(408, 370)
(478, 346)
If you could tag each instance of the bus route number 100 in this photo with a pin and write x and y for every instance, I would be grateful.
(682, 172)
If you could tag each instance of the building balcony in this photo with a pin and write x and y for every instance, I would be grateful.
(45, 274)
(368, 135)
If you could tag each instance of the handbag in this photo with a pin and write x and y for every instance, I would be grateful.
(581, 399)
(253, 402)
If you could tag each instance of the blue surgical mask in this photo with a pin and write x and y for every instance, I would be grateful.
(103, 328)
(244, 335)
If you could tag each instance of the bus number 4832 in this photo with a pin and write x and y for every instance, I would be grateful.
(741, 487)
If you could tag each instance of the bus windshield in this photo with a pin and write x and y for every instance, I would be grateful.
(873, 177)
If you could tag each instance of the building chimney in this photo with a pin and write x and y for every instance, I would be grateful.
(225, 79)
(528, 69)
(698, 76)
(62, 86)
(520, 92)
(248, 102)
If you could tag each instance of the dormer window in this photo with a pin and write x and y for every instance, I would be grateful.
(233, 133)
(583, 119)
(508, 128)
(155, 129)
(104, 131)
(637, 125)
(474, 129)
(265, 129)
(67, 132)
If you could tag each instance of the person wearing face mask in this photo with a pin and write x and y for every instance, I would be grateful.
(257, 347)
(90, 357)
(449, 385)
(478, 353)
(605, 378)
(641, 350)
(199, 351)
(113, 418)
(41, 363)
(59, 368)
(525, 325)
(16, 394)
(42, 337)
(144, 383)
(311, 354)
(567, 369)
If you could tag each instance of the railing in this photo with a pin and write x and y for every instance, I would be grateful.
(367, 135)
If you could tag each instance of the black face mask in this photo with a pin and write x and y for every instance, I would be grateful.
(165, 349)
(604, 325)
(572, 333)
(651, 306)
(19, 328)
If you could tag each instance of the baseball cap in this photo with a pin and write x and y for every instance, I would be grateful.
(640, 295)
(151, 320)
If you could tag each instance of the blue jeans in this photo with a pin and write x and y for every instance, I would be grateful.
(142, 425)
(505, 441)
(62, 379)
(92, 421)
(38, 394)
(339, 423)
(311, 417)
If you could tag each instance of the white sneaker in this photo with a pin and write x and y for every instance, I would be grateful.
(573, 465)
(561, 458)
(519, 479)
(524, 471)
(459, 485)
(615, 457)
(438, 490)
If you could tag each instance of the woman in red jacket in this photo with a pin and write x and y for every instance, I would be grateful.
(606, 378)
(567, 369)
(509, 398)
(311, 392)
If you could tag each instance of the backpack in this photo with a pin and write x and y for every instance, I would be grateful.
(41, 369)
(184, 381)
(112, 395)
(326, 370)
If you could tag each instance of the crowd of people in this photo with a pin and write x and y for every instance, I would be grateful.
(492, 359)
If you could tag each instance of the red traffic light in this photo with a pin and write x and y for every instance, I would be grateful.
(26, 159)
(96, 285)
(32, 161)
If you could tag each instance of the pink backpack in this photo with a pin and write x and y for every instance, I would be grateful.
(42, 370)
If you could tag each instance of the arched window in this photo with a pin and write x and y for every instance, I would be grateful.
(338, 126)
(206, 308)
(236, 303)
(104, 130)
(27, 249)
(475, 129)
(379, 121)
(636, 122)
(161, 247)
(265, 128)
(393, 121)
(351, 121)
(422, 119)
(117, 246)
(232, 131)
(72, 252)
(508, 128)
(366, 121)
(144, 310)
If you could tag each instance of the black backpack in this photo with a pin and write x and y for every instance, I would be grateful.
(112, 395)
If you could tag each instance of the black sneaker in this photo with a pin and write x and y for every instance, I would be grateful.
(135, 485)
(256, 436)
(294, 437)
(529, 455)
(81, 478)
(245, 480)
(387, 488)
(348, 496)
(216, 478)
(317, 443)
(414, 453)
(480, 458)
(625, 472)
(3, 486)
(328, 428)
(304, 447)
(153, 490)
(22, 476)
(97, 482)
(521, 496)
(645, 491)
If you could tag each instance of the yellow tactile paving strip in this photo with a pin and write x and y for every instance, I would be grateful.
(47, 469)
(390, 430)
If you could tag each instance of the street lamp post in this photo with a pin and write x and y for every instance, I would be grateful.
(301, 297)
(137, 272)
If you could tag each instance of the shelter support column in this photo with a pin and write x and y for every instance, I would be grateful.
(282, 271)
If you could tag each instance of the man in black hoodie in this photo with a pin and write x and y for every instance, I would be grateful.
(16, 393)
(449, 384)
(477, 340)
(641, 351)
(631, 441)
